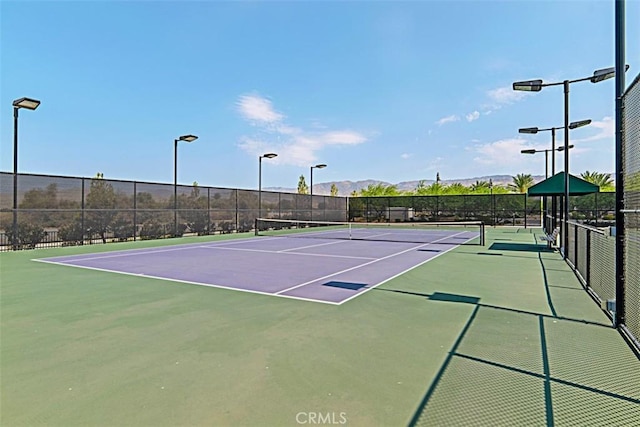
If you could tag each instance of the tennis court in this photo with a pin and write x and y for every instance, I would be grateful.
(320, 261)
(500, 334)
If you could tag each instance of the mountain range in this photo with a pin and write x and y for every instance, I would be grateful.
(345, 188)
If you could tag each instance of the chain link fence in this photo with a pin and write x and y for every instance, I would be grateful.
(596, 209)
(631, 168)
(60, 211)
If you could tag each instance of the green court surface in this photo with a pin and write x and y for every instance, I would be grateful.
(497, 335)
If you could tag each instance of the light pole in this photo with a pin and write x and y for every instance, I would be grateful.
(572, 125)
(267, 156)
(546, 156)
(536, 86)
(319, 166)
(535, 130)
(187, 139)
(546, 175)
(29, 104)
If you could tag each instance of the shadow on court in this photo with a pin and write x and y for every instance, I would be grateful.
(516, 366)
(519, 247)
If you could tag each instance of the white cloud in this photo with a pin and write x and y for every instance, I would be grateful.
(472, 116)
(258, 109)
(406, 156)
(448, 119)
(345, 137)
(505, 95)
(505, 151)
(294, 145)
(606, 130)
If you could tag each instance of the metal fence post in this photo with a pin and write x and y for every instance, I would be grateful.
(135, 210)
(588, 258)
(82, 213)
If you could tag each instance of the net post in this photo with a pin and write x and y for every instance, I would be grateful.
(482, 242)
(255, 226)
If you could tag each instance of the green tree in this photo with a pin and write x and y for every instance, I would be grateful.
(380, 189)
(100, 204)
(481, 187)
(603, 180)
(456, 189)
(334, 190)
(196, 214)
(434, 189)
(303, 188)
(421, 188)
(521, 182)
(38, 200)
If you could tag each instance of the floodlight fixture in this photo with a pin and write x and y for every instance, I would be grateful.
(528, 85)
(187, 138)
(28, 103)
(579, 124)
(528, 130)
(605, 73)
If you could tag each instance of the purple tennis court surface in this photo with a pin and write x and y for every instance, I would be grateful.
(328, 271)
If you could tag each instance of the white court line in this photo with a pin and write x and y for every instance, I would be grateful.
(368, 263)
(311, 246)
(141, 275)
(125, 252)
(146, 251)
(404, 271)
(286, 252)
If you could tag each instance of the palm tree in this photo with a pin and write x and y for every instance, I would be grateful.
(456, 189)
(603, 180)
(481, 187)
(421, 189)
(521, 182)
(434, 189)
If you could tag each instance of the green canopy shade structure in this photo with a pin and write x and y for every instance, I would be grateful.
(554, 186)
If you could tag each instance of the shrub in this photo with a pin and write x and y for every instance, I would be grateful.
(28, 235)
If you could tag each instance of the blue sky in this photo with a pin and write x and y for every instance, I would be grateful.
(392, 91)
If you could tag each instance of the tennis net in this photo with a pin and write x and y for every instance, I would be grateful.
(468, 232)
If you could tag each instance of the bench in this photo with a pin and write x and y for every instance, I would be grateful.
(551, 238)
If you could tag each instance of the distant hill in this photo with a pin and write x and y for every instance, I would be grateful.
(345, 188)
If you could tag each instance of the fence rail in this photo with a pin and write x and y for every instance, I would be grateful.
(596, 209)
(58, 211)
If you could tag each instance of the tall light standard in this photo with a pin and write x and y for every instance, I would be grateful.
(535, 130)
(319, 166)
(572, 125)
(536, 86)
(187, 139)
(29, 104)
(546, 156)
(266, 156)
